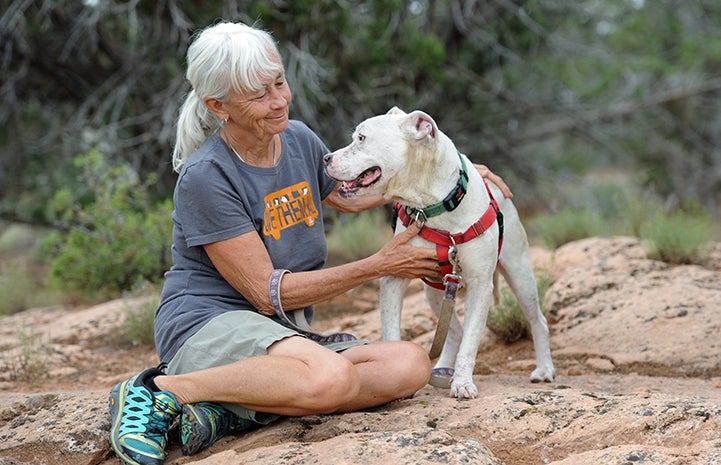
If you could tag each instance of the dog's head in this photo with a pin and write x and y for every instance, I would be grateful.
(384, 152)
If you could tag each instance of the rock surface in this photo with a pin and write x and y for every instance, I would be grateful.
(636, 345)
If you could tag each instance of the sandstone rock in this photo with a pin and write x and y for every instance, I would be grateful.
(635, 342)
(639, 314)
(68, 428)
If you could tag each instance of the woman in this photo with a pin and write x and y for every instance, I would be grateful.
(248, 237)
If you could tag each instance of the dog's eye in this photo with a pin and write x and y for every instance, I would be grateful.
(361, 137)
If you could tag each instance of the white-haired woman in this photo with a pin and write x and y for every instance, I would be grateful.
(248, 237)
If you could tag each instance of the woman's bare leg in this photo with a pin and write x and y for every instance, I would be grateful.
(388, 371)
(300, 377)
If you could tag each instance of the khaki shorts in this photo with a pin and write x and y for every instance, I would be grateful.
(235, 336)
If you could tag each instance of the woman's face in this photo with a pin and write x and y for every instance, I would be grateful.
(263, 112)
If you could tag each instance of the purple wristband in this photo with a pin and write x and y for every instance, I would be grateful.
(274, 290)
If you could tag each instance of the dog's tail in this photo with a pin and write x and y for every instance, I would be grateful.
(496, 290)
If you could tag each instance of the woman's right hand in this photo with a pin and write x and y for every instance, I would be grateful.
(400, 258)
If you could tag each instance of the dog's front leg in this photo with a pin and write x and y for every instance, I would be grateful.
(478, 300)
(391, 303)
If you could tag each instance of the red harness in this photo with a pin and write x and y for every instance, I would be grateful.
(446, 241)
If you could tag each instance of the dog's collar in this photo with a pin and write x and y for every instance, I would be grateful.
(451, 201)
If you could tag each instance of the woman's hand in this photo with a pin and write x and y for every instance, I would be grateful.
(400, 258)
(485, 172)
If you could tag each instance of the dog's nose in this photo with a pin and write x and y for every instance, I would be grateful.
(327, 158)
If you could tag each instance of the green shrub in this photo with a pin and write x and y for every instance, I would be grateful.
(623, 207)
(612, 204)
(638, 211)
(139, 326)
(679, 238)
(507, 320)
(570, 224)
(31, 359)
(358, 236)
(17, 288)
(21, 287)
(115, 236)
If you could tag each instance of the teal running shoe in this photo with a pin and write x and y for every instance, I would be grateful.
(204, 423)
(140, 419)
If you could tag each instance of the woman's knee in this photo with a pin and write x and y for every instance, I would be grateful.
(408, 366)
(417, 365)
(332, 385)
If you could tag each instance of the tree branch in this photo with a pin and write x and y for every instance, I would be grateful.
(618, 110)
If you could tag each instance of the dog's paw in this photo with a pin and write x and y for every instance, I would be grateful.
(463, 389)
(543, 374)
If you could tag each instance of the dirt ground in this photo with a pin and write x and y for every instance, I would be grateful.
(636, 345)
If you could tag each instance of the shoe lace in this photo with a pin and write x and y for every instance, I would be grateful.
(143, 412)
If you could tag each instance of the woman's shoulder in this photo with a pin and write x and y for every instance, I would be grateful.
(210, 155)
(297, 127)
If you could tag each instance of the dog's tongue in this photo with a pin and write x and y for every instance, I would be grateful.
(366, 178)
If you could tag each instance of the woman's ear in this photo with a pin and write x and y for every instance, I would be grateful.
(216, 107)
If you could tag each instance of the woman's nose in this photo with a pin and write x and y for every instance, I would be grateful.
(278, 98)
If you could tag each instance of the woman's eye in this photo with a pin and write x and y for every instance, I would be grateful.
(260, 96)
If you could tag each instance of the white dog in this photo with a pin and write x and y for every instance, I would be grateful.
(404, 157)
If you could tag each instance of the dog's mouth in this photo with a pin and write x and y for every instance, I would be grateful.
(366, 179)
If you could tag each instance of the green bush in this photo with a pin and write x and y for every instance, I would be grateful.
(638, 211)
(507, 320)
(30, 361)
(358, 236)
(115, 236)
(17, 288)
(139, 326)
(605, 204)
(570, 224)
(679, 238)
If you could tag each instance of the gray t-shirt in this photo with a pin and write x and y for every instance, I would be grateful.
(218, 197)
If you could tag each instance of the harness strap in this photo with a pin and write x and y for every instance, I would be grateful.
(444, 240)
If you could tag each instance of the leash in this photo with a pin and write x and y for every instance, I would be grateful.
(301, 324)
(452, 282)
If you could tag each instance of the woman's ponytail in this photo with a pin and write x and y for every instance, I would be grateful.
(195, 124)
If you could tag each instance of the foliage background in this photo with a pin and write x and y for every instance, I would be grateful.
(580, 104)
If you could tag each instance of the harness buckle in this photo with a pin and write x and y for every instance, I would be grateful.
(452, 254)
(452, 277)
(420, 217)
(452, 258)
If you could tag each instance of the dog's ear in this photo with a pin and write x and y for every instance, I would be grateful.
(419, 125)
(395, 111)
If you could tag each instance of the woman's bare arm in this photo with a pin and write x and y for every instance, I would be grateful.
(244, 262)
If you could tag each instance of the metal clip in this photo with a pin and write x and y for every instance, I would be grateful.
(453, 259)
(417, 217)
(456, 278)
(452, 256)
